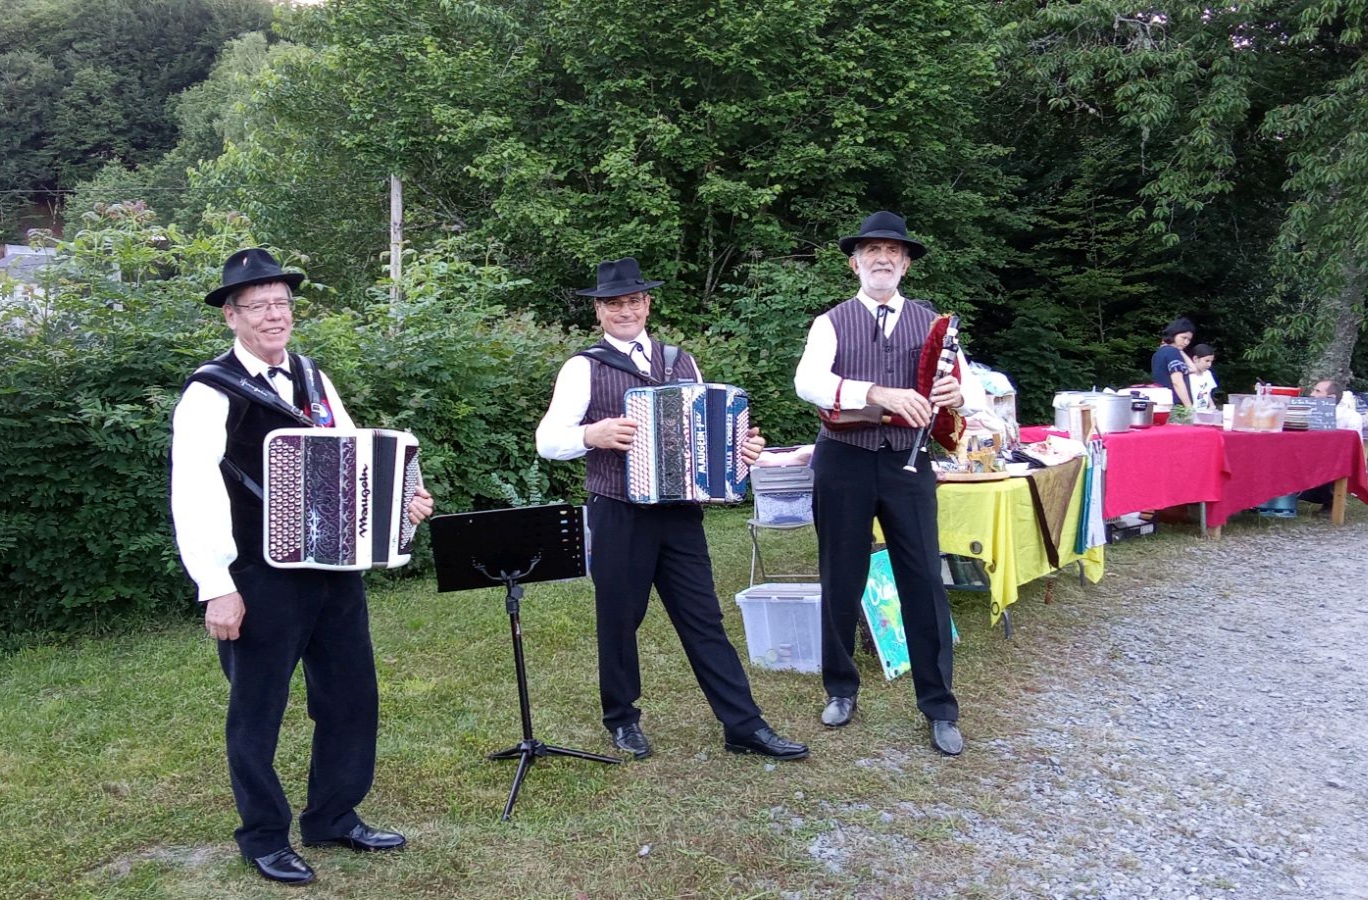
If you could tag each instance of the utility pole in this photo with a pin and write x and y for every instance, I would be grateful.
(396, 238)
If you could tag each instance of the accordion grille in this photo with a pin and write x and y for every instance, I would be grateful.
(673, 450)
(286, 508)
(412, 478)
(640, 468)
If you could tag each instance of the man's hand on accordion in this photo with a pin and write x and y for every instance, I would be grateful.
(223, 617)
(610, 434)
(751, 446)
(421, 506)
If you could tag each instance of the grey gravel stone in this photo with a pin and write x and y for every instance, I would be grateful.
(1204, 736)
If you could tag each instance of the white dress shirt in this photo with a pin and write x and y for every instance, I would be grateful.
(560, 434)
(199, 497)
(817, 384)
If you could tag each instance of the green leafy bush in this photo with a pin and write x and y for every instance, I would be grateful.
(94, 370)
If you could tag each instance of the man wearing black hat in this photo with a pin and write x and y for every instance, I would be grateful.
(267, 620)
(636, 546)
(865, 352)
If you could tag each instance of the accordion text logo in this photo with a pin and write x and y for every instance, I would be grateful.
(339, 499)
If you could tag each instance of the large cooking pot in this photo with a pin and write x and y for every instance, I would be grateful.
(1111, 412)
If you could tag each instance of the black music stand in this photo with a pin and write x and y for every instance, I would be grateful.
(509, 546)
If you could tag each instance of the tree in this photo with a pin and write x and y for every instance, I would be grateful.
(112, 65)
(1203, 89)
(29, 84)
(208, 117)
(698, 136)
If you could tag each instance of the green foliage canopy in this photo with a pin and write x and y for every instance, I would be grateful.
(696, 136)
(85, 82)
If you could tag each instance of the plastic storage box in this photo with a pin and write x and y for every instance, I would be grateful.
(783, 625)
(783, 494)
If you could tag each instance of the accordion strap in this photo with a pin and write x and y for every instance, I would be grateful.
(616, 359)
(670, 356)
(237, 384)
(218, 375)
(231, 469)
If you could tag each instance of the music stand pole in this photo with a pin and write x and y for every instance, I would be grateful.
(508, 547)
(529, 748)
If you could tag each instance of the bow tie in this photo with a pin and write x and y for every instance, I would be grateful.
(880, 317)
(273, 371)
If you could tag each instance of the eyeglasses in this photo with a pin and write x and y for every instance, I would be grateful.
(880, 248)
(620, 303)
(257, 310)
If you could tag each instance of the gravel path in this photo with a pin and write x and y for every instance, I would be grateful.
(1207, 736)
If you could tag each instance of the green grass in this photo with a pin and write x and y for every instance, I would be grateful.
(113, 782)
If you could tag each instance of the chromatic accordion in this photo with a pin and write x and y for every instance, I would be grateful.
(338, 499)
(687, 447)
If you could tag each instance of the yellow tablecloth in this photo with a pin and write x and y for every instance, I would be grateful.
(994, 521)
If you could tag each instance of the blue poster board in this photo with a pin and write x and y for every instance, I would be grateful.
(883, 612)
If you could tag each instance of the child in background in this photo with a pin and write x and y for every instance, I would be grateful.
(1202, 380)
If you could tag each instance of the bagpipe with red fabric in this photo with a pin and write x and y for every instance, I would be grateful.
(939, 357)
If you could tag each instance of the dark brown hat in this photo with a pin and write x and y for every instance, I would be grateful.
(617, 277)
(248, 267)
(883, 225)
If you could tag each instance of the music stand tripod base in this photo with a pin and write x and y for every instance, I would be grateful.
(537, 543)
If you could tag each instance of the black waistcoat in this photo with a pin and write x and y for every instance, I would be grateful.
(248, 425)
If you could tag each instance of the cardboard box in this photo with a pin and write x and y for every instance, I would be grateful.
(783, 625)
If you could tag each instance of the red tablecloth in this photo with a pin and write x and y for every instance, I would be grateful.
(1264, 466)
(1154, 468)
(1168, 465)
(1163, 466)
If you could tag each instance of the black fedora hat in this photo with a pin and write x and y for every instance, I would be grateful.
(883, 225)
(617, 277)
(248, 267)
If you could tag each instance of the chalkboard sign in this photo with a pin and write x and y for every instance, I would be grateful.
(1318, 414)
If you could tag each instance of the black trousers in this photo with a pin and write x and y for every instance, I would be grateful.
(635, 547)
(319, 618)
(852, 486)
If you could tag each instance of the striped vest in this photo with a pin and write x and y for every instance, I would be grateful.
(605, 471)
(862, 354)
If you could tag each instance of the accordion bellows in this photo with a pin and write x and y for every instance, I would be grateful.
(338, 499)
(687, 447)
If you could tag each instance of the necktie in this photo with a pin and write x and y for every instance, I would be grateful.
(639, 357)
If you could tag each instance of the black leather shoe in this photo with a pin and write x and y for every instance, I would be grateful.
(285, 866)
(363, 838)
(632, 739)
(946, 737)
(766, 743)
(839, 711)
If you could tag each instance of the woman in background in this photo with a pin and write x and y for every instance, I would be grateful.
(1170, 365)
